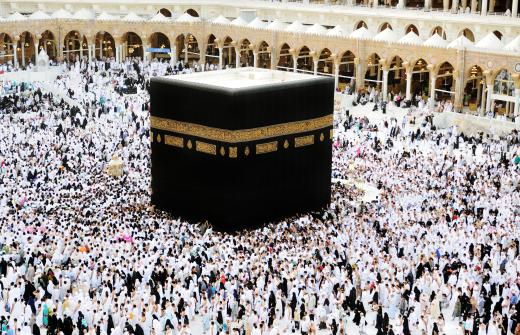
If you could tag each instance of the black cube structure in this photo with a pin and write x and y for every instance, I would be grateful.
(241, 147)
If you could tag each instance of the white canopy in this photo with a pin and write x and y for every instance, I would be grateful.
(460, 42)
(61, 14)
(159, 17)
(257, 23)
(387, 35)
(277, 25)
(436, 41)
(187, 18)
(514, 45)
(132, 17)
(296, 27)
(490, 41)
(239, 21)
(411, 38)
(16, 17)
(84, 14)
(361, 33)
(316, 29)
(39, 15)
(221, 20)
(336, 31)
(106, 17)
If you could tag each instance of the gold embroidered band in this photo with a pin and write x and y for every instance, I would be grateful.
(174, 141)
(242, 135)
(206, 147)
(303, 141)
(263, 148)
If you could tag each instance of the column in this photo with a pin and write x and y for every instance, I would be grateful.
(458, 80)
(255, 59)
(491, 6)
(237, 58)
(483, 10)
(186, 59)
(446, 5)
(315, 67)
(479, 94)
(220, 60)
(514, 9)
(489, 93)
(402, 4)
(517, 103)
(81, 49)
(146, 55)
(202, 59)
(433, 79)
(385, 84)
(474, 6)
(295, 62)
(360, 75)
(117, 51)
(455, 6)
(336, 75)
(22, 45)
(172, 57)
(174, 54)
(464, 5)
(15, 51)
(483, 100)
(408, 84)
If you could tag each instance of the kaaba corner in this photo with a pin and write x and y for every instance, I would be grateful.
(241, 147)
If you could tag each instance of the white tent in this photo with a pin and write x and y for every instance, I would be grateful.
(221, 20)
(387, 35)
(316, 29)
(411, 38)
(361, 33)
(159, 17)
(460, 43)
(257, 23)
(84, 14)
(277, 25)
(514, 45)
(106, 17)
(490, 41)
(239, 21)
(436, 41)
(296, 27)
(336, 31)
(61, 14)
(133, 17)
(39, 15)
(187, 18)
(16, 17)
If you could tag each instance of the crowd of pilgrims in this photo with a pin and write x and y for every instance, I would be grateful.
(85, 253)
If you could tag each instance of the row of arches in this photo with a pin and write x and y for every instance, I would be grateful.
(186, 48)
(466, 32)
(497, 7)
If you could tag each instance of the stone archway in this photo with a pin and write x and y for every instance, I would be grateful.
(246, 54)
(7, 48)
(26, 52)
(104, 45)
(74, 45)
(304, 61)
(285, 58)
(47, 42)
(161, 43)
(264, 56)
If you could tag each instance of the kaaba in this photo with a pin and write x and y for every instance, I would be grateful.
(243, 147)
